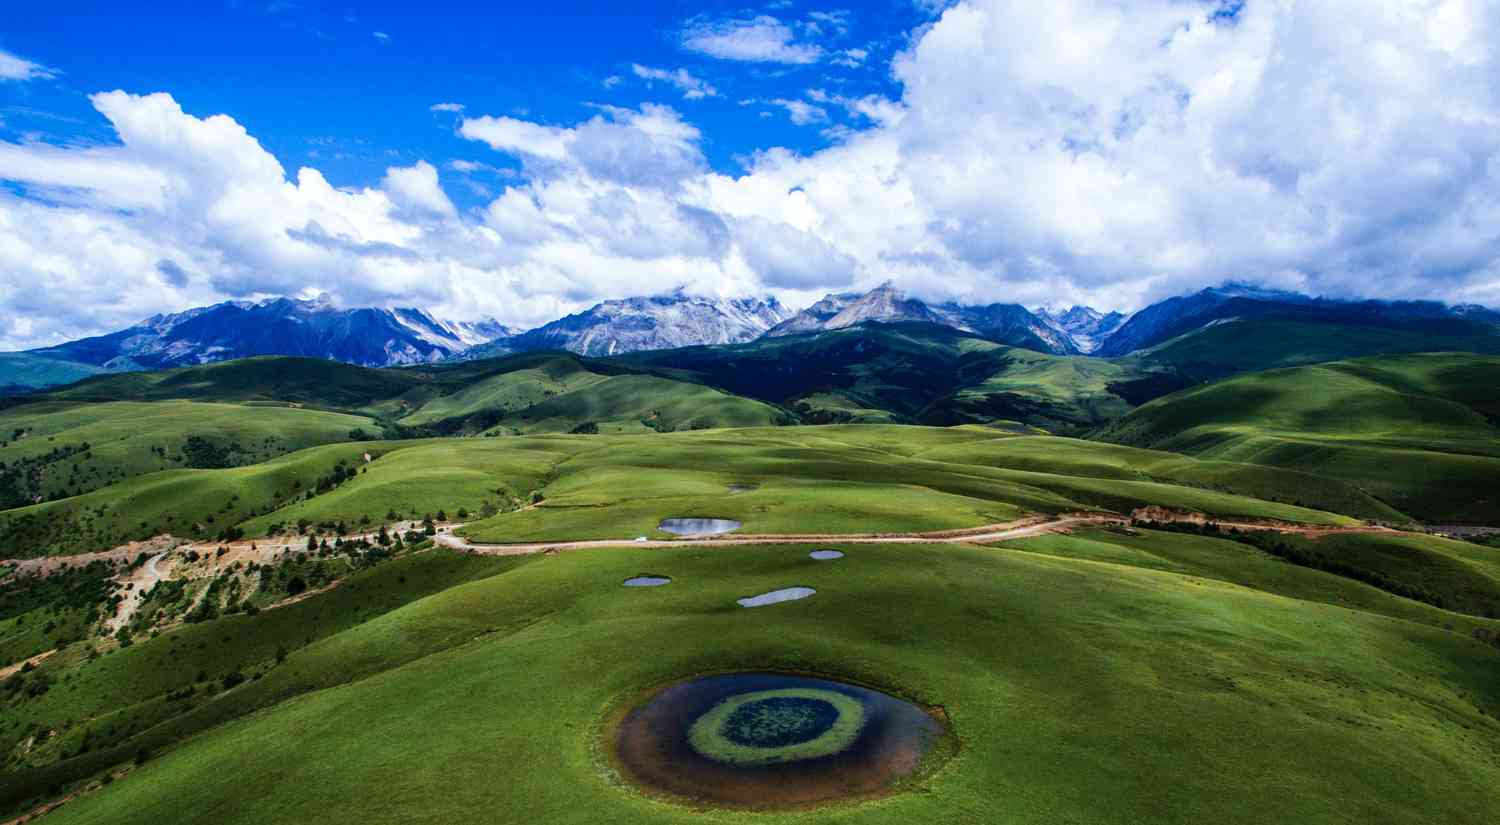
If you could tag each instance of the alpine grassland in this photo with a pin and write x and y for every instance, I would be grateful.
(1418, 432)
(1079, 689)
(278, 590)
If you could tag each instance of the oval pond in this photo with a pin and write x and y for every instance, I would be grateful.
(769, 740)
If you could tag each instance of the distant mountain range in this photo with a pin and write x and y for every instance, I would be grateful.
(280, 326)
(402, 336)
(1088, 327)
(1007, 323)
(635, 324)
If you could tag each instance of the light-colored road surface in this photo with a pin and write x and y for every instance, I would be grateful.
(1007, 531)
(1023, 528)
(140, 581)
(8, 670)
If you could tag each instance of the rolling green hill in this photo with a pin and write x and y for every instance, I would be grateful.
(1247, 346)
(53, 449)
(1419, 432)
(857, 478)
(1069, 668)
(115, 427)
(22, 372)
(910, 373)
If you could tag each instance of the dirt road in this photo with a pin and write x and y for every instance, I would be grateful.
(139, 582)
(1006, 531)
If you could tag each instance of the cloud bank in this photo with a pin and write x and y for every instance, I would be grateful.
(1079, 150)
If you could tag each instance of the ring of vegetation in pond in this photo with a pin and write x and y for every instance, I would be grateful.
(698, 526)
(778, 726)
(769, 740)
(647, 580)
(825, 555)
(785, 594)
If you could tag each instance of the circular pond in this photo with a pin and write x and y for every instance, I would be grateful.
(698, 526)
(825, 555)
(647, 580)
(769, 740)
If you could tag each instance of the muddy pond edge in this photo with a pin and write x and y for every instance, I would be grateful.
(603, 733)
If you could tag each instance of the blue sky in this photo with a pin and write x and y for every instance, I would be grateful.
(348, 86)
(521, 161)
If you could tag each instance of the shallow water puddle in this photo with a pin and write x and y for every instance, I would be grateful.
(698, 526)
(647, 581)
(785, 594)
(825, 555)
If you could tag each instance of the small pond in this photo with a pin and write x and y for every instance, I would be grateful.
(736, 489)
(770, 740)
(825, 555)
(698, 526)
(785, 594)
(647, 580)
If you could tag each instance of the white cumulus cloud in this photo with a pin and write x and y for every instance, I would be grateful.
(754, 39)
(1077, 150)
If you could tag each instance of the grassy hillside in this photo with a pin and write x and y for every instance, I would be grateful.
(1072, 683)
(882, 478)
(23, 372)
(1231, 347)
(117, 427)
(173, 684)
(910, 373)
(534, 392)
(561, 394)
(55, 448)
(1419, 432)
(307, 381)
(1241, 562)
(851, 478)
(198, 504)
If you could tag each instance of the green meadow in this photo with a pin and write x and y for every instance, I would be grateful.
(1161, 673)
(124, 439)
(1418, 432)
(1081, 689)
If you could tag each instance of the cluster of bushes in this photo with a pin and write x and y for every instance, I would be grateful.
(815, 415)
(26, 683)
(71, 588)
(201, 454)
(340, 473)
(21, 480)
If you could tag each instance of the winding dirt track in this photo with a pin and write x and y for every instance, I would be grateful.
(1023, 528)
(140, 582)
(1005, 531)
